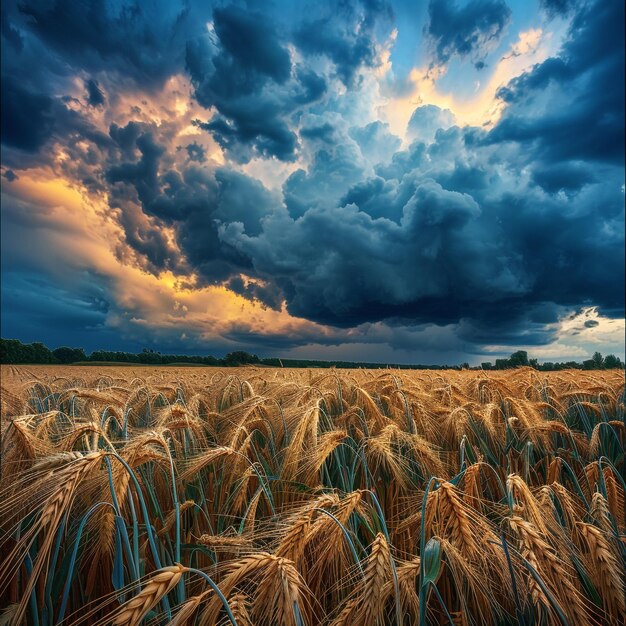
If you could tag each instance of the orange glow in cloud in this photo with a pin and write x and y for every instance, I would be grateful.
(75, 228)
(48, 192)
(172, 108)
(533, 46)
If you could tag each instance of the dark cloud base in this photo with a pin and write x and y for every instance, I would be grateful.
(495, 234)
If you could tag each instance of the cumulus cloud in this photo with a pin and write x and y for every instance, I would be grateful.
(343, 267)
(376, 142)
(487, 268)
(426, 120)
(247, 84)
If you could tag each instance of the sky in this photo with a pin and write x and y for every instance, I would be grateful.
(411, 182)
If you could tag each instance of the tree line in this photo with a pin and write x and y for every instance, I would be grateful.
(13, 351)
(520, 359)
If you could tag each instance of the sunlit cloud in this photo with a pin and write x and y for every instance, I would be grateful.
(576, 335)
(483, 108)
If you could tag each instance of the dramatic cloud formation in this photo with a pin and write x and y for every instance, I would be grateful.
(357, 182)
(471, 31)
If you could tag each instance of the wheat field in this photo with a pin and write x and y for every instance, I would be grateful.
(260, 496)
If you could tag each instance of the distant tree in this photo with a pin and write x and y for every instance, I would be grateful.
(103, 355)
(571, 365)
(598, 359)
(14, 351)
(611, 362)
(274, 362)
(519, 358)
(240, 357)
(149, 357)
(69, 355)
(41, 353)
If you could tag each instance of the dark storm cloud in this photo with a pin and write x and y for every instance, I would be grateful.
(27, 120)
(311, 87)
(212, 198)
(472, 30)
(525, 324)
(133, 186)
(95, 97)
(258, 90)
(566, 177)
(252, 131)
(253, 86)
(33, 122)
(10, 175)
(324, 132)
(36, 112)
(57, 315)
(465, 236)
(568, 245)
(262, 52)
(44, 299)
(333, 167)
(441, 235)
(195, 152)
(11, 34)
(342, 266)
(555, 8)
(63, 310)
(146, 238)
(268, 294)
(402, 161)
(143, 174)
(344, 36)
(585, 116)
(149, 193)
(47, 46)
(141, 41)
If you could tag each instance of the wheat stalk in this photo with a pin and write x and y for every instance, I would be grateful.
(605, 570)
(132, 612)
